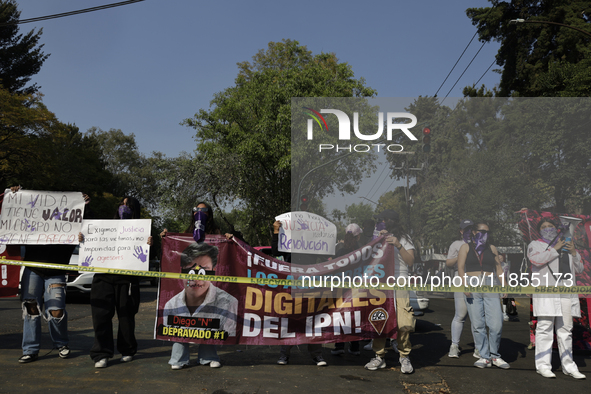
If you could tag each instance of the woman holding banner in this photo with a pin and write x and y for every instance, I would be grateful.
(202, 223)
(112, 293)
(554, 263)
(480, 265)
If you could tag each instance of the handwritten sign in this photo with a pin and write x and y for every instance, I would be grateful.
(31, 217)
(305, 232)
(116, 244)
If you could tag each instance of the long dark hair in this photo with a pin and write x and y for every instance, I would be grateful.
(210, 226)
(133, 204)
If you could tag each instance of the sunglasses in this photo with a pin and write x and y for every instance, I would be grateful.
(195, 209)
(197, 270)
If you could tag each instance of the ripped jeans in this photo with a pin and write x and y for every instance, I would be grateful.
(50, 295)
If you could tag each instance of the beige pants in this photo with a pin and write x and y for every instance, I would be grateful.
(406, 324)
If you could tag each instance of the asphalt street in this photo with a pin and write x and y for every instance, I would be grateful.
(253, 369)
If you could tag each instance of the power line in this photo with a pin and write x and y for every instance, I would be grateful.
(492, 64)
(70, 13)
(474, 36)
(466, 69)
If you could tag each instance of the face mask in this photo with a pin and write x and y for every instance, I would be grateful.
(124, 212)
(549, 233)
(379, 227)
(200, 220)
(480, 241)
(466, 235)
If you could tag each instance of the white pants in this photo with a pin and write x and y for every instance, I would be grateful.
(545, 337)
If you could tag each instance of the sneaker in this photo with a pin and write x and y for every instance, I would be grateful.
(369, 346)
(215, 364)
(394, 345)
(64, 352)
(405, 365)
(28, 358)
(505, 317)
(319, 361)
(375, 363)
(476, 354)
(336, 352)
(454, 351)
(354, 352)
(176, 367)
(499, 362)
(126, 359)
(102, 363)
(575, 374)
(546, 373)
(483, 363)
(283, 360)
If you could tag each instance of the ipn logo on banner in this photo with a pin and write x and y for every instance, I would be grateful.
(345, 129)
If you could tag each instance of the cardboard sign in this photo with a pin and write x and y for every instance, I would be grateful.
(305, 232)
(32, 217)
(116, 244)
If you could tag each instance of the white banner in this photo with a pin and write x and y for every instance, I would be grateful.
(305, 232)
(116, 243)
(31, 217)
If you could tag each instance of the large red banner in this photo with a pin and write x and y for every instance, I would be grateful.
(265, 310)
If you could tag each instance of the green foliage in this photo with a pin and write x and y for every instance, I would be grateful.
(538, 59)
(20, 55)
(244, 155)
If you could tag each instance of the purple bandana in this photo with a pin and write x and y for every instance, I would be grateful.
(480, 242)
(200, 220)
(125, 212)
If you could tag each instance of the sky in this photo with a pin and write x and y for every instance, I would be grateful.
(145, 67)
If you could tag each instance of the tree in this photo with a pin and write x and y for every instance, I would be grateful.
(132, 172)
(244, 151)
(537, 59)
(21, 56)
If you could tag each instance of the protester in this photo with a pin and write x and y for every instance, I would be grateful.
(45, 288)
(352, 235)
(201, 299)
(180, 351)
(405, 255)
(479, 260)
(112, 293)
(552, 256)
(457, 324)
(314, 349)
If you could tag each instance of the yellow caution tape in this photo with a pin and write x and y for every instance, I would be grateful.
(581, 290)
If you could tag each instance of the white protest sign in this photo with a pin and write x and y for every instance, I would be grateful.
(305, 232)
(31, 217)
(115, 243)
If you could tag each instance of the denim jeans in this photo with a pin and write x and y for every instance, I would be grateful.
(49, 297)
(485, 311)
(180, 354)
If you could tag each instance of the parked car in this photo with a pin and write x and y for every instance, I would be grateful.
(418, 302)
(77, 281)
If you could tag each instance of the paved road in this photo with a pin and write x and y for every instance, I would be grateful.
(253, 369)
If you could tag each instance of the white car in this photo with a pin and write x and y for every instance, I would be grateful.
(418, 302)
(77, 281)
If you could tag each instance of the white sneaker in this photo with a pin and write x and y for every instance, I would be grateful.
(546, 373)
(126, 359)
(375, 363)
(454, 351)
(574, 374)
(405, 365)
(476, 354)
(215, 364)
(102, 363)
(483, 363)
(369, 346)
(499, 362)
(505, 317)
(176, 367)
